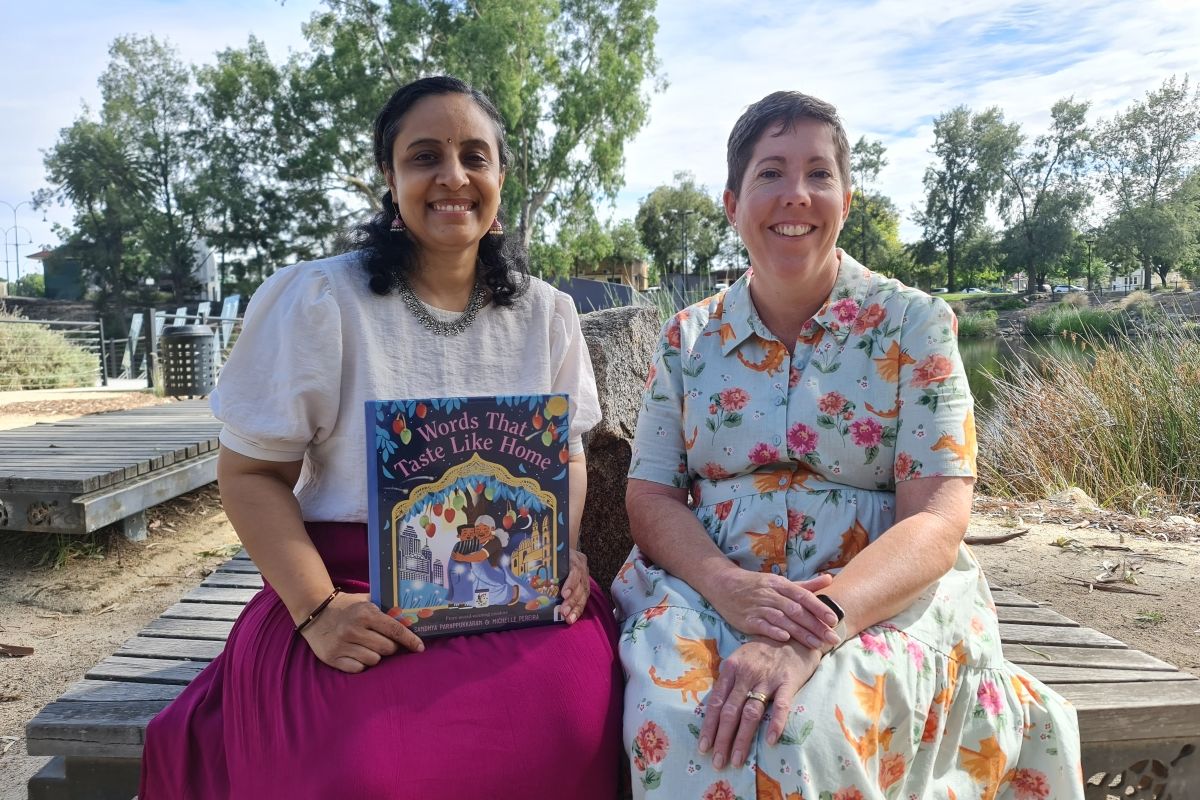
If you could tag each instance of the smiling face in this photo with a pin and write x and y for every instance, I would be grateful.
(445, 173)
(791, 205)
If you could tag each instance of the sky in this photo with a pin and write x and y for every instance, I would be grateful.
(890, 66)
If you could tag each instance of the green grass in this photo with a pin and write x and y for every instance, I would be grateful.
(1065, 319)
(1122, 425)
(976, 324)
(35, 357)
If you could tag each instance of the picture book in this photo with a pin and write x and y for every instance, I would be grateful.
(468, 511)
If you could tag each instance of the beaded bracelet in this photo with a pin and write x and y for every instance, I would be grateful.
(309, 620)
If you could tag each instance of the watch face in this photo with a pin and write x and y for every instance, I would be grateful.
(833, 606)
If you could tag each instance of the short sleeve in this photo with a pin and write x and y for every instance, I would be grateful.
(936, 434)
(659, 454)
(573, 374)
(279, 391)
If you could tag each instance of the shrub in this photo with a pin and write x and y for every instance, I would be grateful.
(1123, 425)
(36, 357)
(1076, 300)
(1139, 301)
(1065, 319)
(977, 324)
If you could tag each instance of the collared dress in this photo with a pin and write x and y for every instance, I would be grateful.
(792, 463)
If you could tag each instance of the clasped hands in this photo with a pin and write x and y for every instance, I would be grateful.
(352, 633)
(789, 627)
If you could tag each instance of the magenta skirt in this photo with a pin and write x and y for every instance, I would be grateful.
(525, 713)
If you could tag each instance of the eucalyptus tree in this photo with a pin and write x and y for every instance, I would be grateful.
(681, 226)
(970, 151)
(1145, 156)
(569, 77)
(1045, 191)
(865, 233)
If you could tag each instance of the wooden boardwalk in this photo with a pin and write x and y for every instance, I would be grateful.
(78, 475)
(1139, 716)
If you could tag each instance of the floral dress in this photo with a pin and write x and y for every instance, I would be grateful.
(792, 463)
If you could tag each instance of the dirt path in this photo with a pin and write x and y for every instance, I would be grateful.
(81, 602)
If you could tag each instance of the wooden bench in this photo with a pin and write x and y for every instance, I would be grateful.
(78, 475)
(1139, 716)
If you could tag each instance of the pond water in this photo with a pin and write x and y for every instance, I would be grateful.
(987, 358)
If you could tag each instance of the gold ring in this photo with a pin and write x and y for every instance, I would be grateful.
(759, 696)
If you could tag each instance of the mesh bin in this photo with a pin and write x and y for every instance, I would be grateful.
(187, 359)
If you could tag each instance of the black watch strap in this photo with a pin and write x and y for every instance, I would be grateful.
(833, 606)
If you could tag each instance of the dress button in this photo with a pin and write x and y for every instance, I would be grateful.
(777, 439)
(779, 521)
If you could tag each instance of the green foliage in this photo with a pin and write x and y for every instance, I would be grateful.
(681, 226)
(36, 357)
(1065, 319)
(1146, 156)
(976, 324)
(1045, 191)
(1059, 422)
(32, 285)
(970, 150)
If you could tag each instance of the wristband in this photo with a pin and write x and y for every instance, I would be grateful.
(317, 612)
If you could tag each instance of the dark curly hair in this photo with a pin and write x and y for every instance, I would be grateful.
(503, 264)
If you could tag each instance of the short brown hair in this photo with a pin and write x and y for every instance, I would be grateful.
(784, 109)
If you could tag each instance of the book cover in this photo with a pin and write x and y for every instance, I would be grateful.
(468, 511)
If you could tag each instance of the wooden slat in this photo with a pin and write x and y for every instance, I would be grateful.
(206, 594)
(1006, 597)
(185, 649)
(104, 729)
(1036, 615)
(146, 670)
(174, 628)
(1054, 675)
(211, 611)
(1031, 656)
(1040, 634)
(233, 580)
(1115, 712)
(237, 565)
(118, 692)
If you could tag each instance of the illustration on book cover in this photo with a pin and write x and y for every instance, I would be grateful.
(467, 512)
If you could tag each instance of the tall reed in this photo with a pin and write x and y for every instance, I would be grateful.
(1123, 426)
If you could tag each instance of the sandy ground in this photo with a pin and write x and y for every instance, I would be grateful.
(75, 604)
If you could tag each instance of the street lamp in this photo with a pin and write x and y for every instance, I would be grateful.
(16, 232)
(16, 242)
(682, 215)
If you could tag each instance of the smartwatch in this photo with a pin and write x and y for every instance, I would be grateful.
(839, 627)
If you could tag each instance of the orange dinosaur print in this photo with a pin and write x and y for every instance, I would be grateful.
(986, 765)
(702, 655)
(813, 337)
(854, 541)
(719, 311)
(773, 359)
(1025, 690)
(889, 365)
(628, 565)
(891, 413)
(871, 699)
(771, 547)
(767, 788)
(965, 450)
(793, 476)
(726, 333)
(958, 657)
(689, 443)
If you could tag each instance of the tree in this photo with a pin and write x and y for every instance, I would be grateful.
(1145, 155)
(264, 203)
(864, 234)
(970, 150)
(31, 285)
(147, 103)
(567, 75)
(91, 168)
(1044, 191)
(681, 226)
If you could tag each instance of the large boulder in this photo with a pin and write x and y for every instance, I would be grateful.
(621, 342)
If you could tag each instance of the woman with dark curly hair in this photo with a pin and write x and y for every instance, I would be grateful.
(434, 301)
